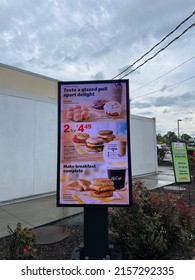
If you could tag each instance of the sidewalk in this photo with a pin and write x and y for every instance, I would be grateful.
(33, 213)
(164, 177)
(41, 211)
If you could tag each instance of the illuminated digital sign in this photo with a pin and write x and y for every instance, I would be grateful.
(94, 144)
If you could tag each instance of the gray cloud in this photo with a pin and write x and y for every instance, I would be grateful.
(98, 76)
(140, 105)
(87, 39)
(147, 113)
(166, 111)
(185, 100)
(188, 119)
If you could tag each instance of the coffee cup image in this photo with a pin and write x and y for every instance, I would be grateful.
(117, 175)
(122, 147)
(116, 92)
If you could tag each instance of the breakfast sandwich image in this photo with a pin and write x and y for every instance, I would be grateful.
(106, 135)
(80, 138)
(94, 144)
(102, 187)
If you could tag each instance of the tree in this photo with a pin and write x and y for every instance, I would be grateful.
(185, 137)
(170, 137)
(159, 138)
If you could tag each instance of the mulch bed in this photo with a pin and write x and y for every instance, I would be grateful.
(64, 249)
(57, 251)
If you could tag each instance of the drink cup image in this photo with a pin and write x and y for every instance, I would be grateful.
(117, 175)
(122, 147)
(116, 92)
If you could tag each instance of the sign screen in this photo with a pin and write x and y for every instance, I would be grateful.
(94, 144)
(180, 162)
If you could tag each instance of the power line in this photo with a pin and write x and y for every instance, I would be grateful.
(155, 45)
(165, 88)
(163, 75)
(150, 58)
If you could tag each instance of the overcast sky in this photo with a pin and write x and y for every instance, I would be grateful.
(80, 40)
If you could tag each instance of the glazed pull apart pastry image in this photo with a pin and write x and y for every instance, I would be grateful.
(78, 113)
(99, 104)
(113, 108)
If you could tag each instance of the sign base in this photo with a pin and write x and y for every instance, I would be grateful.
(96, 244)
(113, 254)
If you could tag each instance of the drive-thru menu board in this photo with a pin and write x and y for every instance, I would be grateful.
(180, 162)
(94, 144)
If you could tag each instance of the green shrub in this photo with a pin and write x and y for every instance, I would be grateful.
(157, 223)
(23, 243)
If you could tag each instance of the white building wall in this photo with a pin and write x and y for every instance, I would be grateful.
(28, 146)
(143, 145)
(28, 150)
(28, 136)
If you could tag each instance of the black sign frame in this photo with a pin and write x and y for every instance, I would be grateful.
(91, 84)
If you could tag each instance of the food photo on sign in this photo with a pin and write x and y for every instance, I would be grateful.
(93, 144)
(94, 183)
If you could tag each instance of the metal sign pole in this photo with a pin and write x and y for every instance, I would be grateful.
(95, 233)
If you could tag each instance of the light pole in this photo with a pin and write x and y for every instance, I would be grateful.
(178, 128)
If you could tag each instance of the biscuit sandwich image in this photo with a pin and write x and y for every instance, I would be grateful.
(106, 135)
(80, 138)
(101, 187)
(94, 144)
